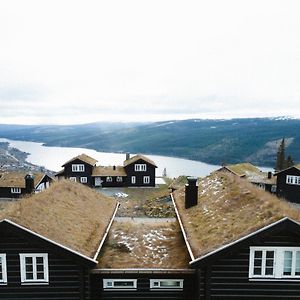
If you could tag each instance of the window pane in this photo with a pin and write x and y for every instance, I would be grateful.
(40, 275)
(124, 283)
(1, 276)
(258, 254)
(287, 267)
(297, 269)
(168, 283)
(28, 260)
(40, 260)
(29, 275)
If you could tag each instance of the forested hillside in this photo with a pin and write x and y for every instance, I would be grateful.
(211, 141)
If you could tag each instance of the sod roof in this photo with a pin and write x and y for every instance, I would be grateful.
(144, 244)
(228, 209)
(67, 213)
(17, 179)
(109, 171)
(297, 166)
(138, 157)
(83, 157)
(250, 172)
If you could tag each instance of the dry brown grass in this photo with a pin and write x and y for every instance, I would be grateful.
(132, 244)
(67, 213)
(228, 209)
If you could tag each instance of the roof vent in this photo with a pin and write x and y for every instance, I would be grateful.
(29, 183)
(269, 175)
(114, 167)
(191, 192)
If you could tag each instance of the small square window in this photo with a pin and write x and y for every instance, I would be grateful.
(83, 179)
(15, 190)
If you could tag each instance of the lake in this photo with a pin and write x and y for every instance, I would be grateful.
(53, 158)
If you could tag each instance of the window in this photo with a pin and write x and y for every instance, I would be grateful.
(271, 262)
(15, 190)
(78, 168)
(140, 167)
(146, 179)
(120, 284)
(290, 179)
(109, 179)
(34, 268)
(73, 179)
(174, 284)
(133, 180)
(3, 274)
(119, 179)
(83, 179)
(273, 188)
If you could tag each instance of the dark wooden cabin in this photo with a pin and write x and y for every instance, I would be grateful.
(16, 184)
(288, 184)
(263, 265)
(111, 176)
(243, 242)
(140, 171)
(50, 242)
(79, 169)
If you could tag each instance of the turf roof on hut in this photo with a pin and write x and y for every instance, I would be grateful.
(228, 209)
(67, 213)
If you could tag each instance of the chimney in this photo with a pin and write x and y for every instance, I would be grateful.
(191, 192)
(269, 175)
(127, 155)
(114, 168)
(29, 183)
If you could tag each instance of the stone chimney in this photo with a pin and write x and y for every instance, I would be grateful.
(29, 183)
(114, 168)
(269, 175)
(127, 155)
(191, 192)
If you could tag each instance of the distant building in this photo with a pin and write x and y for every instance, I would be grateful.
(288, 183)
(17, 184)
(264, 180)
(137, 171)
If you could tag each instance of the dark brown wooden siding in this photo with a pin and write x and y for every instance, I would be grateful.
(143, 287)
(67, 278)
(5, 192)
(140, 174)
(290, 192)
(227, 277)
(88, 169)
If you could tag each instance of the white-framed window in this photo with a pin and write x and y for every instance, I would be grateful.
(119, 179)
(146, 179)
(109, 179)
(83, 179)
(78, 168)
(274, 262)
(72, 179)
(273, 188)
(3, 271)
(291, 179)
(133, 179)
(119, 284)
(34, 268)
(15, 190)
(168, 284)
(140, 167)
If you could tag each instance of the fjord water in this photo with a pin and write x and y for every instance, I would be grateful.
(53, 158)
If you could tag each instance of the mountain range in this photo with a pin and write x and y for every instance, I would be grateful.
(253, 140)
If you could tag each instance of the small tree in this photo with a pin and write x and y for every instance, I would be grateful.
(280, 161)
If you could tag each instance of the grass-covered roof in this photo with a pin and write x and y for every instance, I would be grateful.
(228, 208)
(68, 213)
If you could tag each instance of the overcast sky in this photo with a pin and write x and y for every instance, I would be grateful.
(136, 60)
